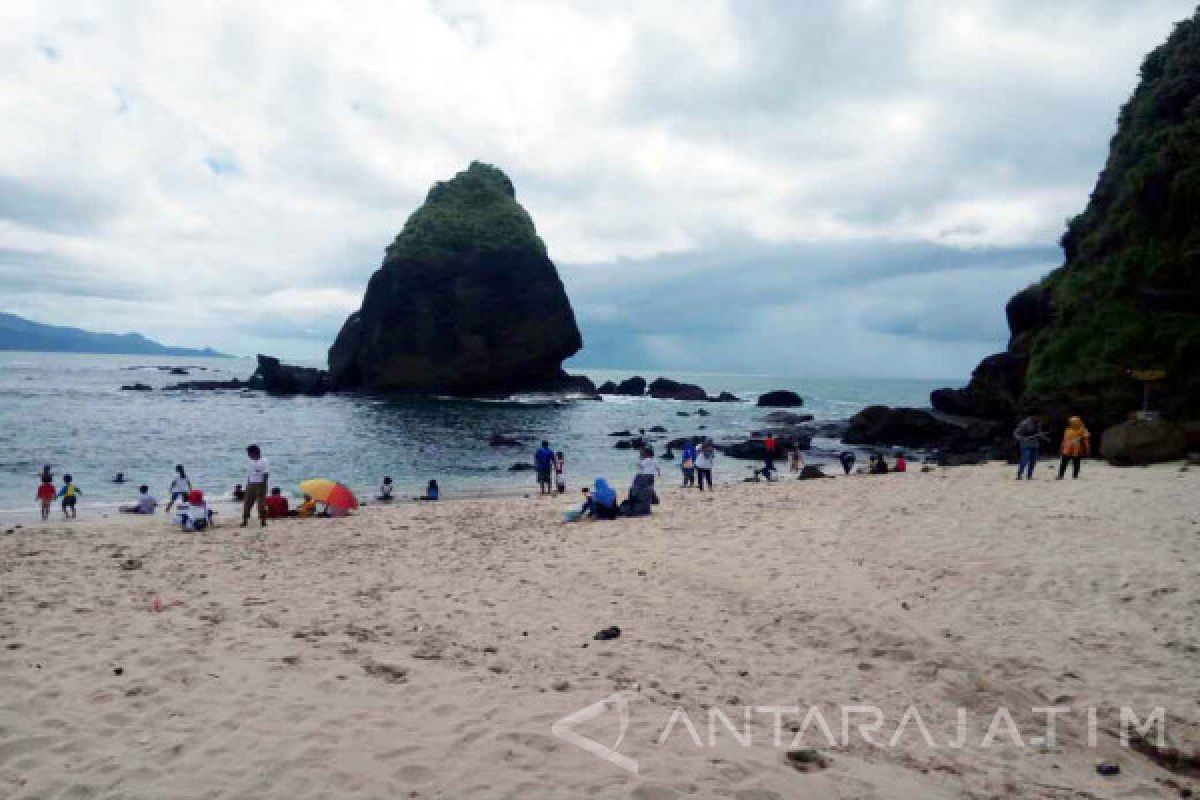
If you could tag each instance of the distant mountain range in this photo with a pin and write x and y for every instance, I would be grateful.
(18, 333)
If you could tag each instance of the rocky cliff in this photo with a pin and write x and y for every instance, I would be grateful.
(466, 302)
(1128, 293)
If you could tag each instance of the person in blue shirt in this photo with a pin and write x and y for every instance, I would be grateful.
(69, 494)
(431, 492)
(543, 460)
(688, 464)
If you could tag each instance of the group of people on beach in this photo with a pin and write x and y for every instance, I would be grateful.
(1076, 445)
(697, 460)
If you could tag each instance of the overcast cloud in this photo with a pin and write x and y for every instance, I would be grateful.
(817, 188)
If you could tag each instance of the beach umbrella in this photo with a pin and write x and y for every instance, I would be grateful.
(333, 494)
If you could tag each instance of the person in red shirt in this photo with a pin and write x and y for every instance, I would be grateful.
(901, 464)
(46, 495)
(769, 449)
(277, 504)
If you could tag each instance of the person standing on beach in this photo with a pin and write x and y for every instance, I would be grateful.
(45, 495)
(704, 465)
(69, 494)
(1028, 435)
(1076, 443)
(769, 448)
(847, 458)
(543, 460)
(180, 486)
(560, 472)
(688, 463)
(257, 472)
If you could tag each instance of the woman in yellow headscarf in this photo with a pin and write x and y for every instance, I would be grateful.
(1076, 443)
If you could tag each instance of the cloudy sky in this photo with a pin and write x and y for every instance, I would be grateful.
(808, 188)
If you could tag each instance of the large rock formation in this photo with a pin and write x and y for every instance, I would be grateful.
(1128, 294)
(466, 302)
(1136, 441)
(917, 428)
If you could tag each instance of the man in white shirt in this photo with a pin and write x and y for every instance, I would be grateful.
(256, 486)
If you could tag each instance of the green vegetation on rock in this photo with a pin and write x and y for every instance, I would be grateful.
(1128, 295)
(475, 211)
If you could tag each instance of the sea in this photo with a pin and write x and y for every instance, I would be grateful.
(69, 411)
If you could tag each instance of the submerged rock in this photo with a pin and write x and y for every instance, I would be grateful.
(467, 301)
(787, 418)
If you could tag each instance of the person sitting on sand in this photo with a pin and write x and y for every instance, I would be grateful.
(277, 504)
(239, 494)
(878, 465)
(847, 458)
(385, 490)
(1076, 443)
(193, 512)
(146, 504)
(69, 494)
(603, 501)
(901, 463)
(431, 493)
(308, 508)
(46, 495)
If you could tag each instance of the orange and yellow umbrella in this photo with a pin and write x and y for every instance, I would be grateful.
(333, 494)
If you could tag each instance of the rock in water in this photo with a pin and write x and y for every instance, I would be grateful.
(277, 378)
(667, 389)
(466, 303)
(780, 398)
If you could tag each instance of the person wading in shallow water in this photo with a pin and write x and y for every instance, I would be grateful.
(256, 486)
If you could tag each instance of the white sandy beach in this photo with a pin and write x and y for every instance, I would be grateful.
(426, 651)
